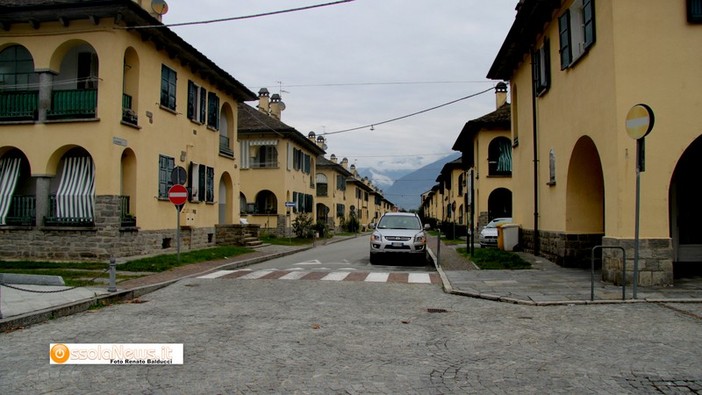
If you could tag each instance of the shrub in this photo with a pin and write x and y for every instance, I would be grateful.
(303, 226)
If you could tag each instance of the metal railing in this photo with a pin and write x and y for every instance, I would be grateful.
(592, 270)
(53, 220)
(264, 165)
(126, 219)
(128, 114)
(22, 211)
(19, 105)
(74, 103)
(224, 147)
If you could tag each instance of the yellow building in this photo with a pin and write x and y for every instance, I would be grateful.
(576, 68)
(432, 206)
(95, 113)
(277, 166)
(486, 148)
(332, 203)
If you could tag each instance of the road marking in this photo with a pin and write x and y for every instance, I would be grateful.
(419, 278)
(257, 274)
(294, 276)
(314, 262)
(335, 276)
(218, 273)
(377, 277)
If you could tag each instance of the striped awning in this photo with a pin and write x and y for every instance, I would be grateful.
(75, 197)
(263, 142)
(9, 173)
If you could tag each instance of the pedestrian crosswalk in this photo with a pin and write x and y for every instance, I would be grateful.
(370, 277)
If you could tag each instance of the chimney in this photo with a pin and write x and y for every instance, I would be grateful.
(277, 106)
(332, 158)
(500, 94)
(345, 163)
(322, 142)
(312, 136)
(263, 101)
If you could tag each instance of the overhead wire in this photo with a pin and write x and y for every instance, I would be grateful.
(374, 124)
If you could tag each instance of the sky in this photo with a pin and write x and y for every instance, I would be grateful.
(361, 63)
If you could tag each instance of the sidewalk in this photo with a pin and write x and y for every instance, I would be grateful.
(546, 283)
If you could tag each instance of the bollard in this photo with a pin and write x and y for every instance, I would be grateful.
(0, 301)
(113, 276)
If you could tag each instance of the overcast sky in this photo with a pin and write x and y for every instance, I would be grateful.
(358, 63)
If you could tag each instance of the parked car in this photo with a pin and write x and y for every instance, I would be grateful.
(488, 235)
(398, 234)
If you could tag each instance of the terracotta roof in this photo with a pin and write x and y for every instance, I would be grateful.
(499, 119)
(129, 13)
(252, 121)
(531, 17)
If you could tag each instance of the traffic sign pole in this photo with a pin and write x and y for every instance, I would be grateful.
(178, 195)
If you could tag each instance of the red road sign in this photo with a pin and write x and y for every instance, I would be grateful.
(177, 194)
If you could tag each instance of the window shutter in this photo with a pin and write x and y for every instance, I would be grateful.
(308, 164)
(546, 65)
(201, 176)
(589, 22)
(290, 157)
(203, 104)
(192, 99)
(209, 181)
(564, 37)
(193, 182)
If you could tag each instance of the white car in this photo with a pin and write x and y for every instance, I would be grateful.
(488, 236)
(398, 234)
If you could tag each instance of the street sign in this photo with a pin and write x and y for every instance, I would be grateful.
(177, 194)
(639, 121)
(178, 175)
(290, 204)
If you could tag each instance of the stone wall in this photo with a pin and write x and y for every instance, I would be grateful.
(233, 234)
(99, 242)
(655, 261)
(568, 250)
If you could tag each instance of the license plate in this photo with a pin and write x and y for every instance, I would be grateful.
(397, 244)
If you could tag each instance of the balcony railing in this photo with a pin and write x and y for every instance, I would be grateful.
(70, 104)
(22, 211)
(126, 219)
(128, 114)
(18, 105)
(224, 148)
(53, 220)
(266, 164)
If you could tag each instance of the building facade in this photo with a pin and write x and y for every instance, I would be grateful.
(575, 166)
(96, 110)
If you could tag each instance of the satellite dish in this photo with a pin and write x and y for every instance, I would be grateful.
(159, 7)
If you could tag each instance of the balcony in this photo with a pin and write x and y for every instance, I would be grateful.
(22, 211)
(224, 147)
(73, 104)
(264, 165)
(19, 105)
(129, 116)
(127, 220)
(53, 220)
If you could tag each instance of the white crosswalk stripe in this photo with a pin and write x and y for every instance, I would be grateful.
(419, 278)
(218, 273)
(294, 276)
(335, 276)
(257, 274)
(377, 277)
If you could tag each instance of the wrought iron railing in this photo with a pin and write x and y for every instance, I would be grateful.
(76, 103)
(126, 218)
(128, 114)
(22, 211)
(18, 105)
(266, 164)
(54, 220)
(224, 147)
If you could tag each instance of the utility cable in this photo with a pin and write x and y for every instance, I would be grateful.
(373, 125)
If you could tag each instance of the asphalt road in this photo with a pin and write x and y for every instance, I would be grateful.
(275, 336)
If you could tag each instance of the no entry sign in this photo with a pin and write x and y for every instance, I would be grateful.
(177, 194)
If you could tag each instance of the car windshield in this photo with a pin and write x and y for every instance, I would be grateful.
(497, 221)
(399, 222)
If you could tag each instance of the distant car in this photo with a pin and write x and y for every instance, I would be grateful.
(488, 236)
(399, 234)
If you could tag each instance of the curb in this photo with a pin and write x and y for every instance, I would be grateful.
(35, 317)
(448, 288)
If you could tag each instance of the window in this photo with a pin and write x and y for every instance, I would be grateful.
(500, 157)
(168, 88)
(302, 161)
(166, 164)
(576, 31)
(303, 202)
(340, 209)
(322, 186)
(213, 110)
(694, 11)
(340, 182)
(542, 69)
(201, 183)
(17, 69)
(196, 102)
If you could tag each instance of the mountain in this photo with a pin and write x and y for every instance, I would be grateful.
(407, 189)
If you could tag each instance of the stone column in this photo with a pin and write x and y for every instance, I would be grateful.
(42, 184)
(46, 82)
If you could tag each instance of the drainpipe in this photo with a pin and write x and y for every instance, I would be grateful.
(535, 158)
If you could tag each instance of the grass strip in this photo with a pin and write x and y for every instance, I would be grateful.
(495, 259)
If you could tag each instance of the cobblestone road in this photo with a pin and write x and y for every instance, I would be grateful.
(271, 336)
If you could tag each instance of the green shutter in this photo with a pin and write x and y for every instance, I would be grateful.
(589, 22)
(564, 37)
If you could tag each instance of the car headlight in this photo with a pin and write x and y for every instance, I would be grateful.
(376, 237)
(420, 238)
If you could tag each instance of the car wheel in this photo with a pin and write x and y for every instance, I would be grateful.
(373, 259)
